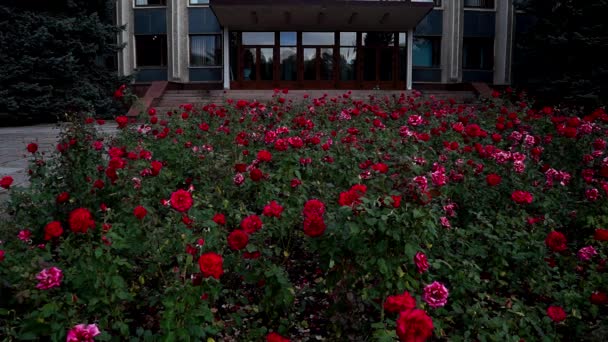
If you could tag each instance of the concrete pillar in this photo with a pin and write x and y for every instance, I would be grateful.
(410, 49)
(177, 40)
(503, 41)
(451, 41)
(226, 57)
(126, 57)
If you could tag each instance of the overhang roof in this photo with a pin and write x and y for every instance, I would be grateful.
(320, 15)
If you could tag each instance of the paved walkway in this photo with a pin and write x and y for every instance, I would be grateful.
(14, 157)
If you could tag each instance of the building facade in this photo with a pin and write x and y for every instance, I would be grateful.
(312, 44)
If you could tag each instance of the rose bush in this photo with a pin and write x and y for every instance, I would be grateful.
(328, 218)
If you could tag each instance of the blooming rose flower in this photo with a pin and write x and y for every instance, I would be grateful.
(556, 241)
(313, 206)
(414, 326)
(24, 235)
(2, 253)
(314, 225)
(586, 253)
(62, 197)
(352, 197)
(211, 265)
(32, 148)
(6, 182)
(49, 278)
(83, 333)
(238, 240)
(181, 200)
(251, 224)
(435, 295)
(493, 179)
(264, 156)
(256, 175)
(122, 121)
(81, 220)
(52, 230)
(219, 219)
(380, 167)
(140, 212)
(556, 313)
(421, 262)
(273, 209)
(398, 303)
(599, 298)
(601, 235)
(274, 337)
(521, 197)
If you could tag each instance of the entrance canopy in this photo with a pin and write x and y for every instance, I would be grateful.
(320, 15)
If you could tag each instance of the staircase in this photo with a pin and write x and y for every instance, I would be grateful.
(172, 99)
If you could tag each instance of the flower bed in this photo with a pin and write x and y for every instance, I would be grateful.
(330, 218)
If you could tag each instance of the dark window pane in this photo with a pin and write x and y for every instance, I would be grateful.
(289, 38)
(249, 64)
(266, 64)
(348, 38)
(205, 50)
(379, 39)
(289, 65)
(327, 64)
(233, 55)
(258, 38)
(478, 54)
(386, 64)
(348, 64)
(318, 38)
(150, 3)
(479, 3)
(151, 51)
(310, 64)
(403, 64)
(369, 64)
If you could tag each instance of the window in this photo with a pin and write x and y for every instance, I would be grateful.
(151, 50)
(258, 38)
(199, 2)
(205, 50)
(288, 56)
(489, 4)
(426, 52)
(478, 53)
(144, 3)
(318, 38)
(348, 56)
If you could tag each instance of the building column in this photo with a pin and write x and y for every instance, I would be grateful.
(177, 40)
(226, 57)
(503, 42)
(410, 49)
(451, 41)
(124, 17)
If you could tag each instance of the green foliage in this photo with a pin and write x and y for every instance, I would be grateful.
(57, 60)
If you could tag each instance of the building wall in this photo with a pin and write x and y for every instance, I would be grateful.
(456, 33)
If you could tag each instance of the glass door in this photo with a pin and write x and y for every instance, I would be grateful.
(257, 55)
(318, 59)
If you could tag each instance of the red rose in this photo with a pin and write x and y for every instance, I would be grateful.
(52, 230)
(521, 197)
(556, 313)
(211, 265)
(6, 182)
(414, 325)
(156, 166)
(314, 206)
(493, 179)
(181, 200)
(273, 209)
(396, 201)
(380, 167)
(398, 303)
(264, 156)
(256, 175)
(314, 226)
(251, 224)
(32, 147)
(140, 212)
(421, 262)
(1, 255)
(219, 219)
(556, 241)
(62, 197)
(599, 298)
(274, 337)
(81, 220)
(238, 240)
(601, 235)
(122, 121)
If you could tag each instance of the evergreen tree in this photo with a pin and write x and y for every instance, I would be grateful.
(58, 57)
(563, 56)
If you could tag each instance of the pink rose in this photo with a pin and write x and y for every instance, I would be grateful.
(435, 295)
(49, 278)
(83, 333)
